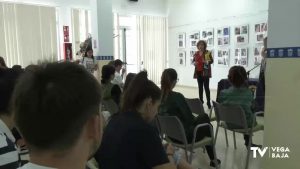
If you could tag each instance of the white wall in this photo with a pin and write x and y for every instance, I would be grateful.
(282, 85)
(195, 15)
(142, 7)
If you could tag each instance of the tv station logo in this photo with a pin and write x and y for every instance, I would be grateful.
(271, 152)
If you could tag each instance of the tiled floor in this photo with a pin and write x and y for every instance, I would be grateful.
(231, 158)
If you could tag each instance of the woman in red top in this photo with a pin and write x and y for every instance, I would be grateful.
(202, 61)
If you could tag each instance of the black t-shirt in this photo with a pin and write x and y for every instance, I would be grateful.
(130, 143)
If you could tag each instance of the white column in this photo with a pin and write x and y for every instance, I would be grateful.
(282, 112)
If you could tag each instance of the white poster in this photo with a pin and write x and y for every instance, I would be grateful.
(223, 57)
(194, 38)
(260, 31)
(181, 40)
(208, 36)
(241, 56)
(223, 35)
(241, 34)
(181, 58)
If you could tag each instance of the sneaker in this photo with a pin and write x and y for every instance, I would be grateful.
(212, 164)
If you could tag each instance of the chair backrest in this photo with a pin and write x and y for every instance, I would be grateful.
(172, 127)
(195, 105)
(111, 106)
(232, 114)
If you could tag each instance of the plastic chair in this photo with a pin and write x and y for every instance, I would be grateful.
(171, 127)
(196, 106)
(234, 115)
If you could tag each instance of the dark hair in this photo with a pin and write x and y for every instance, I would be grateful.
(237, 76)
(167, 79)
(87, 50)
(118, 62)
(8, 79)
(53, 103)
(2, 62)
(129, 78)
(107, 71)
(203, 42)
(139, 89)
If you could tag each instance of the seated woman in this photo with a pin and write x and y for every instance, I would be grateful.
(111, 92)
(129, 141)
(174, 104)
(239, 94)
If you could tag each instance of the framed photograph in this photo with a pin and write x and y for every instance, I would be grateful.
(181, 40)
(208, 36)
(241, 34)
(257, 54)
(223, 57)
(260, 31)
(181, 58)
(223, 36)
(241, 56)
(194, 37)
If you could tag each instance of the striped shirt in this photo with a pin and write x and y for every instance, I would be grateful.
(9, 156)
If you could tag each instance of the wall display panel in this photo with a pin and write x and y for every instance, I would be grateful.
(208, 36)
(257, 54)
(182, 58)
(241, 56)
(223, 57)
(181, 40)
(223, 36)
(260, 31)
(194, 37)
(241, 34)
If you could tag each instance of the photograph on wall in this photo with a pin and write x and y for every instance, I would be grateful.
(194, 37)
(260, 31)
(192, 53)
(212, 54)
(241, 56)
(223, 36)
(208, 36)
(181, 40)
(223, 57)
(181, 58)
(257, 54)
(241, 34)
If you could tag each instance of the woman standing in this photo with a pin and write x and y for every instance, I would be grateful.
(88, 61)
(202, 61)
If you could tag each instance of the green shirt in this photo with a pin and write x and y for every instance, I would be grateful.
(239, 96)
(175, 105)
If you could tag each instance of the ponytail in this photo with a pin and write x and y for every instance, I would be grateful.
(138, 90)
(167, 80)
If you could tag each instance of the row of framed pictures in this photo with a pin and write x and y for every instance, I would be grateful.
(222, 56)
(241, 36)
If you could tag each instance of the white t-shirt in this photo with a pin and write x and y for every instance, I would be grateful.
(34, 166)
(89, 64)
(118, 80)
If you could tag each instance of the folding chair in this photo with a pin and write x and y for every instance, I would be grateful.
(197, 106)
(171, 127)
(235, 115)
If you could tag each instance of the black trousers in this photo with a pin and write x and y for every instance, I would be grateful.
(203, 82)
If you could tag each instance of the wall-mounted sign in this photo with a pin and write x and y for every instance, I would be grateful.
(287, 52)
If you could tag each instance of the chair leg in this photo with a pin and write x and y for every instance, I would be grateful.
(248, 152)
(215, 155)
(190, 159)
(234, 140)
(210, 113)
(216, 135)
(226, 137)
(186, 155)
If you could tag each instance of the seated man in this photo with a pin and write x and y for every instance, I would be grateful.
(57, 111)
